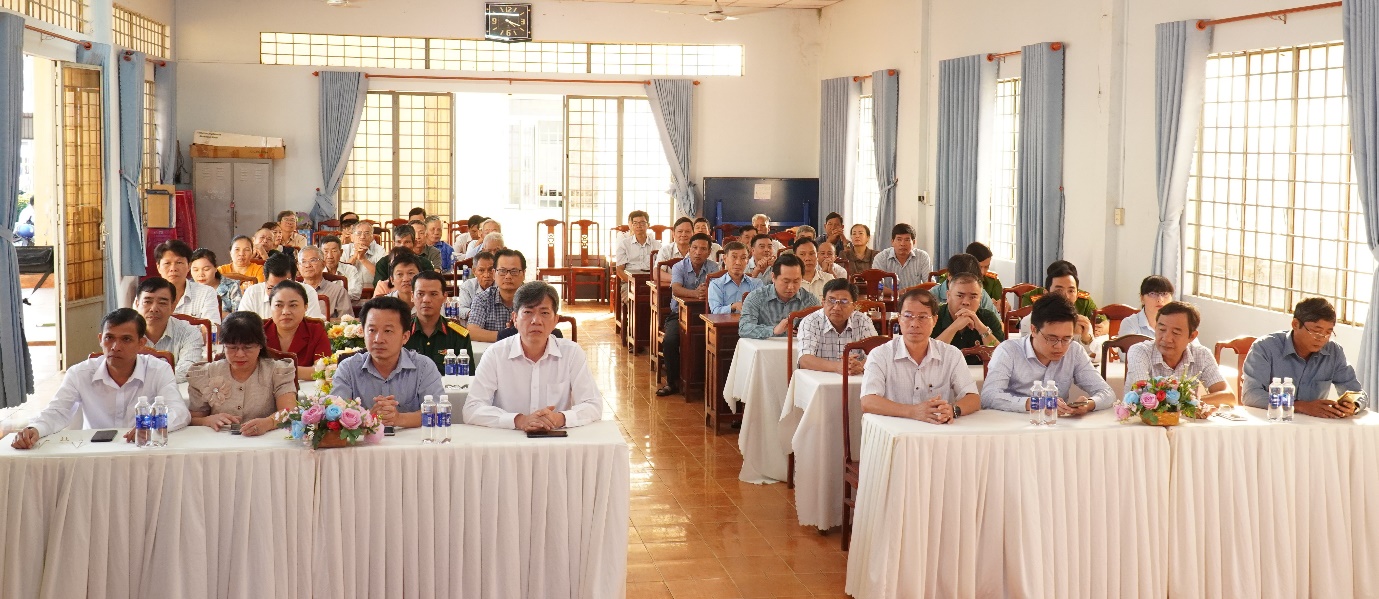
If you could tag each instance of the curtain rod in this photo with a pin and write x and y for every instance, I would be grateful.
(156, 61)
(1205, 23)
(1056, 46)
(85, 44)
(509, 80)
(889, 72)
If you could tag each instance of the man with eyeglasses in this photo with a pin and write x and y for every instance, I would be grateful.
(278, 268)
(311, 265)
(962, 322)
(492, 309)
(1043, 356)
(635, 249)
(363, 252)
(916, 376)
(689, 280)
(1172, 352)
(824, 333)
(1306, 354)
(332, 252)
(766, 311)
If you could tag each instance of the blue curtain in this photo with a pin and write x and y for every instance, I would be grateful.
(99, 55)
(672, 102)
(966, 98)
(18, 381)
(165, 115)
(342, 106)
(1360, 22)
(131, 89)
(1039, 199)
(885, 120)
(1180, 70)
(838, 102)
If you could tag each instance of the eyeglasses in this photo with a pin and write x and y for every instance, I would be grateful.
(240, 349)
(508, 272)
(1163, 295)
(311, 260)
(1057, 341)
(838, 302)
(918, 317)
(639, 222)
(1319, 336)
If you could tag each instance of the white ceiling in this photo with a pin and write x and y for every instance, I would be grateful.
(730, 4)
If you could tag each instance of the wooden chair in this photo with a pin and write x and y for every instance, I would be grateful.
(258, 261)
(165, 356)
(851, 468)
(1019, 291)
(1241, 346)
(721, 232)
(659, 327)
(937, 275)
(615, 234)
(983, 353)
(872, 283)
(206, 334)
(317, 236)
(341, 279)
(1115, 313)
(658, 231)
(245, 281)
(927, 286)
(866, 306)
(552, 268)
(1013, 318)
(785, 237)
(453, 278)
(1121, 344)
(325, 304)
(794, 319)
(590, 264)
(574, 327)
(330, 223)
(455, 228)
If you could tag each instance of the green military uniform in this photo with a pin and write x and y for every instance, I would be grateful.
(449, 335)
(1084, 304)
(384, 267)
(968, 337)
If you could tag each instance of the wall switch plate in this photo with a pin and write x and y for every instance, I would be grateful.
(1120, 217)
(923, 201)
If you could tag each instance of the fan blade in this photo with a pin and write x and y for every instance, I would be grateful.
(680, 12)
(743, 13)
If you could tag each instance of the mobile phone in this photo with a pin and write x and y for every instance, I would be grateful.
(1077, 404)
(389, 430)
(546, 434)
(234, 428)
(104, 436)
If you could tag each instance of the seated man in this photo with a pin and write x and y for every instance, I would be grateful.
(679, 241)
(701, 225)
(912, 266)
(834, 234)
(108, 387)
(332, 251)
(390, 379)
(404, 236)
(187, 344)
(492, 309)
(432, 334)
(424, 247)
(824, 333)
(1306, 354)
(1155, 293)
(1044, 356)
(689, 280)
(481, 279)
(1062, 281)
(435, 233)
(725, 292)
(966, 263)
(990, 282)
(278, 268)
(486, 228)
(814, 277)
(406, 266)
(311, 263)
(193, 299)
(763, 256)
(762, 224)
(1172, 353)
(636, 248)
(766, 311)
(534, 381)
(916, 376)
(363, 251)
(287, 230)
(962, 322)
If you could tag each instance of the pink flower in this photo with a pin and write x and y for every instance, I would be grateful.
(375, 437)
(1149, 401)
(351, 418)
(313, 415)
(1122, 411)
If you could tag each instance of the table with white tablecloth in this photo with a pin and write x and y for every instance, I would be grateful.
(757, 379)
(492, 514)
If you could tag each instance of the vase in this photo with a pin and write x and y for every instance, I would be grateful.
(1159, 418)
(332, 439)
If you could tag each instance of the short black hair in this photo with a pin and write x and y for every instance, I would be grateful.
(903, 229)
(280, 265)
(1052, 309)
(483, 256)
(348, 223)
(1194, 317)
(840, 285)
(429, 275)
(1060, 268)
(400, 258)
(328, 239)
(683, 219)
(285, 214)
(239, 238)
(794, 247)
(245, 328)
(702, 237)
(734, 246)
(1314, 309)
(509, 252)
(833, 215)
(176, 246)
(153, 284)
(342, 215)
(787, 260)
(204, 253)
(967, 263)
(387, 304)
(532, 293)
(923, 296)
(963, 277)
(1156, 284)
(760, 236)
(416, 210)
(631, 216)
(121, 316)
(290, 285)
(401, 231)
(700, 219)
(978, 250)
(476, 220)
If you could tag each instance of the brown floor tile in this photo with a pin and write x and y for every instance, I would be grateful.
(686, 569)
(679, 550)
(721, 588)
(771, 585)
(648, 590)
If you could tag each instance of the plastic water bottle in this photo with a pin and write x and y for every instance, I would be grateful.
(1276, 400)
(466, 273)
(443, 412)
(450, 362)
(143, 423)
(1036, 403)
(428, 419)
(1290, 395)
(160, 422)
(462, 363)
(1050, 403)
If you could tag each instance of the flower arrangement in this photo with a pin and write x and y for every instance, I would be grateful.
(324, 371)
(1160, 400)
(346, 334)
(330, 421)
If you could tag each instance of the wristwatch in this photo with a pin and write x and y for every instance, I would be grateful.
(957, 410)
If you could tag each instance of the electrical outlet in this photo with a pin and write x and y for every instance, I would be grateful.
(923, 201)
(1120, 217)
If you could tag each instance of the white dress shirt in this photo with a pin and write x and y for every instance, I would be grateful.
(510, 384)
(468, 289)
(255, 299)
(636, 257)
(669, 251)
(107, 405)
(816, 285)
(373, 254)
(186, 342)
(200, 301)
(356, 284)
(891, 373)
(837, 271)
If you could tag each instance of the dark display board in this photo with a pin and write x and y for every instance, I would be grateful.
(789, 202)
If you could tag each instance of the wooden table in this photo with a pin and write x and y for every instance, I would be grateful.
(636, 311)
(691, 348)
(659, 301)
(720, 341)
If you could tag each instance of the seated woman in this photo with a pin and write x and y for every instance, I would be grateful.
(242, 259)
(860, 254)
(289, 330)
(204, 271)
(245, 385)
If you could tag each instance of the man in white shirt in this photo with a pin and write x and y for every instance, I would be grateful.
(287, 230)
(762, 224)
(679, 241)
(489, 226)
(187, 343)
(332, 251)
(278, 268)
(491, 243)
(533, 381)
(193, 299)
(481, 279)
(911, 265)
(311, 264)
(363, 252)
(763, 257)
(916, 376)
(636, 248)
(108, 387)
(824, 333)
(1171, 352)
(814, 277)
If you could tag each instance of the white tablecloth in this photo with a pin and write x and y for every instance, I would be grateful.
(976, 508)
(757, 379)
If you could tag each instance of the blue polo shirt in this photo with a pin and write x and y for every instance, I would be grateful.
(414, 377)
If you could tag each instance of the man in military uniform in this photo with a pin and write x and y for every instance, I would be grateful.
(967, 263)
(991, 283)
(1061, 279)
(432, 333)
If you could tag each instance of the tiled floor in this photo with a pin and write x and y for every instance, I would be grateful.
(695, 530)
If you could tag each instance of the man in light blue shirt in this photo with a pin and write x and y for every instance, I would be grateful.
(1043, 356)
(1308, 356)
(911, 265)
(689, 280)
(766, 311)
(725, 292)
(388, 379)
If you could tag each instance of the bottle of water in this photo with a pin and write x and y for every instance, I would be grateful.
(462, 363)
(160, 422)
(428, 419)
(1036, 403)
(1050, 402)
(1290, 395)
(466, 273)
(443, 411)
(1275, 400)
(143, 423)
(451, 363)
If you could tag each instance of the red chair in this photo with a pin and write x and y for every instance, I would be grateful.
(615, 306)
(1013, 318)
(929, 286)
(1019, 292)
(589, 271)
(872, 283)
(1115, 313)
(325, 304)
(721, 232)
(795, 317)
(552, 269)
(883, 321)
(658, 231)
(935, 276)
(658, 318)
(984, 352)
(851, 468)
(1241, 346)
(574, 327)
(1120, 344)
(456, 228)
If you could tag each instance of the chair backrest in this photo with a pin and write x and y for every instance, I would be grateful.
(1116, 313)
(585, 244)
(937, 274)
(1121, 344)
(1241, 346)
(205, 325)
(866, 306)
(721, 231)
(666, 264)
(165, 356)
(341, 279)
(455, 229)
(1014, 317)
(330, 223)
(244, 280)
(325, 304)
(983, 353)
(317, 236)
(549, 237)
(1018, 291)
(282, 355)
(871, 283)
(785, 237)
(865, 346)
(714, 275)
(574, 327)
(658, 230)
(927, 286)
(793, 323)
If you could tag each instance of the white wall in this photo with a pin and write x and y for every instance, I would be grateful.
(762, 124)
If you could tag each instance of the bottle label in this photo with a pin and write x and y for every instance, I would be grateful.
(462, 369)
(143, 421)
(1286, 400)
(160, 421)
(443, 419)
(1275, 400)
(428, 419)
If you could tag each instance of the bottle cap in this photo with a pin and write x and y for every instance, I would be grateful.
(429, 398)
(1287, 380)
(445, 397)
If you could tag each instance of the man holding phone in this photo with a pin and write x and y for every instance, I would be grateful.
(1043, 356)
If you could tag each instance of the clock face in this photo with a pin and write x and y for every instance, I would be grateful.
(507, 22)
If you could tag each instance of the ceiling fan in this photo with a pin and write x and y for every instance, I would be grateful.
(717, 15)
(340, 4)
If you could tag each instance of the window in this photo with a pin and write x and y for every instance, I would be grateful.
(134, 31)
(70, 14)
(402, 157)
(616, 163)
(314, 49)
(1000, 207)
(148, 177)
(866, 193)
(1272, 213)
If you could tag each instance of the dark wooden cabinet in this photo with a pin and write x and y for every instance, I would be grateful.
(720, 342)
